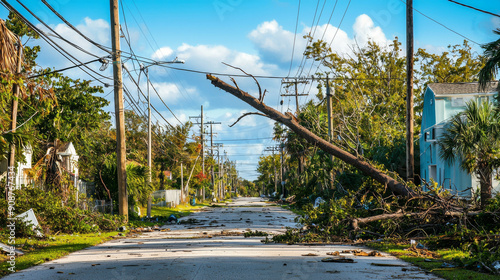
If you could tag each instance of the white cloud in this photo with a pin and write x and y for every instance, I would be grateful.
(365, 30)
(162, 53)
(97, 30)
(275, 43)
(210, 58)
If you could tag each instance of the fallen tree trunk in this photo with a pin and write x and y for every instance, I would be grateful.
(291, 122)
(360, 221)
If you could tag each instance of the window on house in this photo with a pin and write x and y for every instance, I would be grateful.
(433, 172)
(430, 152)
(457, 102)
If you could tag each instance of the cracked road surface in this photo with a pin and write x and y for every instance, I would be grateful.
(209, 245)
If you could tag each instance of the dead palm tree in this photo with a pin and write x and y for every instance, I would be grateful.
(8, 52)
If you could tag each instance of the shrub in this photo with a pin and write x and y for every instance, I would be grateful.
(54, 216)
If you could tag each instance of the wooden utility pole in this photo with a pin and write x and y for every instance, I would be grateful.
(329, 108)
(121, 155)
(212, 155)
(202, 153)
(282, 171)
(150, 166)
(330, 122)
(13, 124)
(202, 138)
(410, 165)
(211, 123)
(274, 149)
(296, 82)
(184, 196)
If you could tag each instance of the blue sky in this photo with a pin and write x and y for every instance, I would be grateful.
(255, 35)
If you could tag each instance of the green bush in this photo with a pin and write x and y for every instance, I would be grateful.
(54, 216)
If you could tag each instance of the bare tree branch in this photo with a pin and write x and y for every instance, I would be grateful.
(261, 97)
(246, 114)
(235, 83)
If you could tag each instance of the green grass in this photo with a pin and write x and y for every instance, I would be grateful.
(54, 247)
(435, 265)
(293, 209)
(179, 211)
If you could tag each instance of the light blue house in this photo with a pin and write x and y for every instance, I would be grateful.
(441, 102)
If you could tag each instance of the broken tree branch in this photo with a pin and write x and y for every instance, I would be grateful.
(246, 114)
(399, 214)
(365, 167)
(261, 96)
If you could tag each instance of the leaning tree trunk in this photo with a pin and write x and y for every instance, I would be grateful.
(291, 122)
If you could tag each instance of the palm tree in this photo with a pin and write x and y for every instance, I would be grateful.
(473, 137)
(490, 69)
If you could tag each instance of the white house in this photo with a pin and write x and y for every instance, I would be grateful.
(69, 158)
(21, 175)
(441, 102)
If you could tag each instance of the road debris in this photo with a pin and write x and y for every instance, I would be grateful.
(340, 259)
(370, 254)
(389, 264)
(310, 255)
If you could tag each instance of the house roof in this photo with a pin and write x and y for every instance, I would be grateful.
(461, 88)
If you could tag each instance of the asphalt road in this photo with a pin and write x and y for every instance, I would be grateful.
(209, 245)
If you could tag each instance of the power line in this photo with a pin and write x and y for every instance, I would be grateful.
(51, 43)
(299, 71)
(158, 48)
(63, 69)
(138, 87)
(249, 139)
(57, 34)
(294, 37)
(333, 38)
(470, 7)
(106, 49)
(463, 36)
(268, 77)
(164, 102)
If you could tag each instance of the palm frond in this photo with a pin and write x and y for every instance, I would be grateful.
(8, 52)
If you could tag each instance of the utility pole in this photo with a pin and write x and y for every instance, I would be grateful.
(119, 111)
(182, 185)
(150, 166)
(149, 145)
(211, 123)
(409, 92)
(202, 137)
(296, 92)
(273, 149)
(202, 153)
(282, 171)
(12, 154)
(330, 121)
(212, 155)
(216, 188)
(329, 108)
